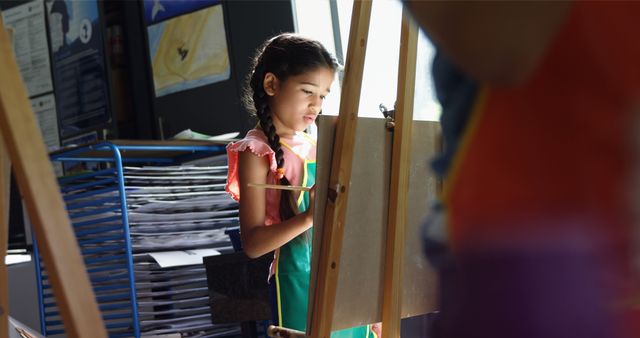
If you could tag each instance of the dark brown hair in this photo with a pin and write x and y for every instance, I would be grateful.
(284, 55)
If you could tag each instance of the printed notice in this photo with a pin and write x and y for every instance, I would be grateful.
(27, 27)
(44, 107)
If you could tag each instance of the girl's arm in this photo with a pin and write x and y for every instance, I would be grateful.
(258, 239)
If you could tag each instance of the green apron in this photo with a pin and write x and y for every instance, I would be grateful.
(293, 267)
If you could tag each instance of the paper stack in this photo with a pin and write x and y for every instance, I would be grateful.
(177, 215)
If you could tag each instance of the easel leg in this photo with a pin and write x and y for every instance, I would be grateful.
(36, 180)
(5, 181)
(399, 187)
(341, 163)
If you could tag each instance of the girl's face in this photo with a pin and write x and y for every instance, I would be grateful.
(296, 102)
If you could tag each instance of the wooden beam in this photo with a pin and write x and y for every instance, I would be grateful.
(5, 187)
(339, 181)
(51, 224)
(399, 185)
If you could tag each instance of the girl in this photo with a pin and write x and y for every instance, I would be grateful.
(291, 77)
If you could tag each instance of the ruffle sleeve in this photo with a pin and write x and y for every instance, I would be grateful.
(254, 144)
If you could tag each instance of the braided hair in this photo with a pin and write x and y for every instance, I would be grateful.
(284, 55)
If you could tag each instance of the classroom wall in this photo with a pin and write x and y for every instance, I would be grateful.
(215, 108)
(210, 109)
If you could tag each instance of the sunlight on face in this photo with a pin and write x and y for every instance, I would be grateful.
(296, 102)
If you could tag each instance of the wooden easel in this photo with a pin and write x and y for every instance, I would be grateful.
(341, 175)
(21, 145)
(339, 183)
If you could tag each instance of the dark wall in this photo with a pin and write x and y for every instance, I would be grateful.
(211, 109)
(250, 24)
(6, 4)
(215, 108)
(17, 231)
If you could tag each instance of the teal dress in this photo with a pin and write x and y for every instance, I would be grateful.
(292, 275)
(292, 266)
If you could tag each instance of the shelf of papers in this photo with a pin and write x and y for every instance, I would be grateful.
(144, 213)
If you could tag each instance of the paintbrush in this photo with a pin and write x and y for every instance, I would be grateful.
(281, 187)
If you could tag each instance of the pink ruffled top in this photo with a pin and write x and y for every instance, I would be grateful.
(296, 150)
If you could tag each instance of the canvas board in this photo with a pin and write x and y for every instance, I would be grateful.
(360, 280)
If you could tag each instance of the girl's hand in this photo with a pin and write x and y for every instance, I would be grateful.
(377, 329)
(312, 199)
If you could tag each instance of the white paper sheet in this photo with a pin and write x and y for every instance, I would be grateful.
(180, 258)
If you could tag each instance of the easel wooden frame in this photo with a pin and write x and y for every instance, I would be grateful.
(21, 144)
(335, 212)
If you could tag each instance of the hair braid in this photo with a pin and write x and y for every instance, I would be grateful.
(266, 122)
(288, 208)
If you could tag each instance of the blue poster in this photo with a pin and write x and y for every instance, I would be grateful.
(78, 63)
(159, 10)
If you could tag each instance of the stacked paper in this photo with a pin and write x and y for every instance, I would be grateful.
(177, 215)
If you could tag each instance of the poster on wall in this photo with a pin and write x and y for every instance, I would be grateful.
(160, 10)
(189, 50)
(44, 107)
(26, 25)
(78, 62)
